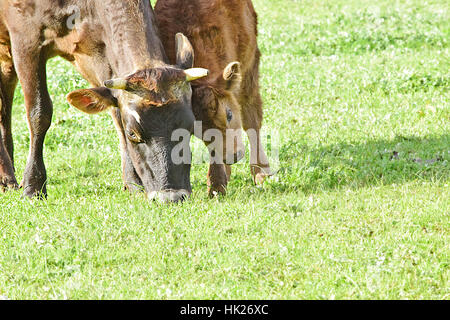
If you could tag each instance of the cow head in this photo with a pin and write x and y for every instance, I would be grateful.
(215, 105)
(153, 104)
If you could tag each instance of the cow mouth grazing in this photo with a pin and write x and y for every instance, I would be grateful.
(169, 196)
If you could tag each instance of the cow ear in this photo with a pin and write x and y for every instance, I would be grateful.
(185, 52)
(92, 101)
(232, 75)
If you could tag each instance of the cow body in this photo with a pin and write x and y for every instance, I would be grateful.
(103, 39)
(223, 34)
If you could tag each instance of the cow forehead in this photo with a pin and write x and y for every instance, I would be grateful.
(156, 79)
(141, 97)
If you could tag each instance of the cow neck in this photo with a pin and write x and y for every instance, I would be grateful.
(134, 41)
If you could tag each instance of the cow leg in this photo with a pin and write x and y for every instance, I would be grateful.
(8, 82)
(228, 172)
(7, 177)
(217, 180)
(259, 163)
(252, 117)
(131, 180)
(30, 65)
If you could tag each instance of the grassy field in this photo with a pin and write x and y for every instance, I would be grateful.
(360, 207)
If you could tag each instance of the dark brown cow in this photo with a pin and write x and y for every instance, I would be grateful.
(104, 39)
(224, 37)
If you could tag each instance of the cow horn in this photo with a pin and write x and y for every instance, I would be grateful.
(120, 84)
(195, 73)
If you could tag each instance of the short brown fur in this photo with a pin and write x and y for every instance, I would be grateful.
(109, 39)
(220, 31)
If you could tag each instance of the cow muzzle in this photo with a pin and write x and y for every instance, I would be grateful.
(169, 196)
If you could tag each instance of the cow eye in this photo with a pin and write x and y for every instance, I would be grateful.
(134, 137)
(229, 115)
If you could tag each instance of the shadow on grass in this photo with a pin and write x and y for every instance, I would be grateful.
(310, 169)
(377, 162)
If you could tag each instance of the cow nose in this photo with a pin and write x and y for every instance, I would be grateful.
(169, 196)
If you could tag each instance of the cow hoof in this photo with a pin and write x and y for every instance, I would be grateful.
(8, 183)
(35, 196)
(34, 193)
(259, 179)
(217, 191)
(260, 175)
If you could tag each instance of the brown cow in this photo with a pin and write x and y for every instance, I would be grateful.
(104, 39)
(224, 37)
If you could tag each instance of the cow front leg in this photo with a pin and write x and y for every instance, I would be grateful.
(217, 180)
(8, 81)
(259, 163)
(131, 180)
(252, 116)
(7, 177)
(30, 66)
(228, 172)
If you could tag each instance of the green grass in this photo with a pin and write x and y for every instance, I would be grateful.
(359, 94)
